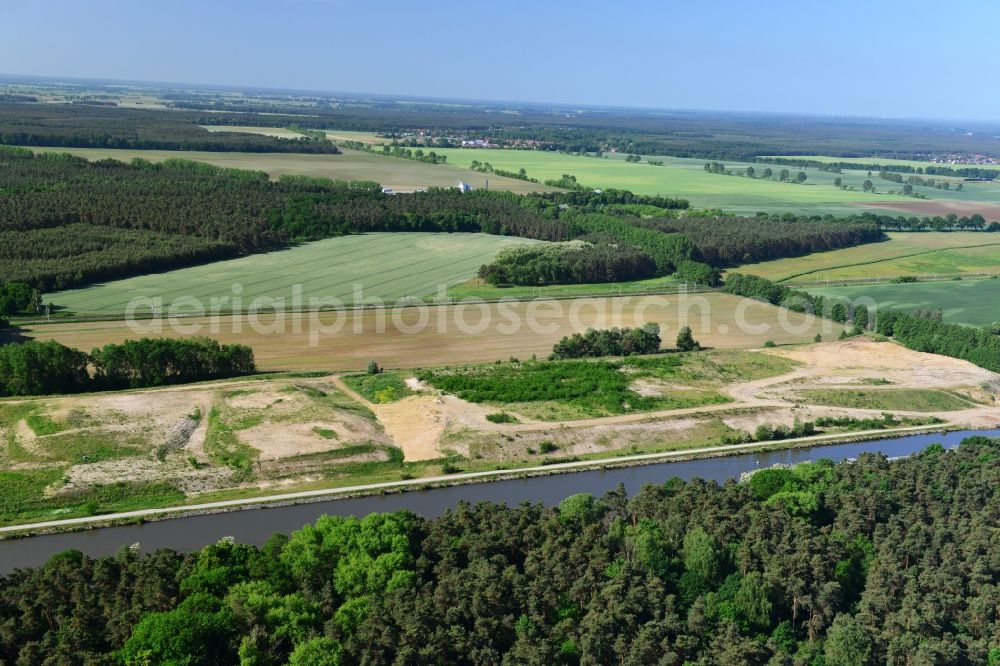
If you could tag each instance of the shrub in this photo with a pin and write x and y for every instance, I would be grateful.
(501, 417)
(686, 341)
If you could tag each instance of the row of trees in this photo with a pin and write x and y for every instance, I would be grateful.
(568, 263)
(919, 181)
(486, 167)
(766, 174)
(866, 562)
(610, 342)
(43, 368)
(839, 310)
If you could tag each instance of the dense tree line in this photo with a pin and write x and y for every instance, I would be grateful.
(568, 263)
(594, 343)
(88, 126)
(762, 289)
(60, 257)
(666, 249)
(43, 368)
(862, 562)
(595, 200)
(330, 213)
(730, 240)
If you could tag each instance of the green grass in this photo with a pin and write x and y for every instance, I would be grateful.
(25, 497)
(972, 301)
(910, 400)
(42, 425)
(386, 266)
(382, 388)
(87, 447)
(556, 390)
(904, 253)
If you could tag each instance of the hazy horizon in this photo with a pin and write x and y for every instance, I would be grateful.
(849, 59)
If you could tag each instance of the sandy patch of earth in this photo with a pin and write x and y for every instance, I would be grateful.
(415, 384)
(415, 424)
(285, 440)
(275, 402)
(863, 358)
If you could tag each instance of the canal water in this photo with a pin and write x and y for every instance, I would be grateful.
(255, 525)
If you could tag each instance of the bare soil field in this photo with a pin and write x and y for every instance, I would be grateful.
(464, 333)
(990, 211)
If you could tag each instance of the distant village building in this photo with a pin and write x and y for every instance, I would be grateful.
(463, 186)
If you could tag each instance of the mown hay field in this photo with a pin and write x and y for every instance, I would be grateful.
(438, 335)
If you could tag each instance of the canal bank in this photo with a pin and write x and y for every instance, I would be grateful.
(257, 522)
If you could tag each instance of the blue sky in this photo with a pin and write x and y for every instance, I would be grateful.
(875, 58)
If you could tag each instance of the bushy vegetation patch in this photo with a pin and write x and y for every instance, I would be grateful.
(380, 387)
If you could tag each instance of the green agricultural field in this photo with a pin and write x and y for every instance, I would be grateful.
(973, 302)
(388, 266)
(684, 178)
(399, 174)
(905, 253)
